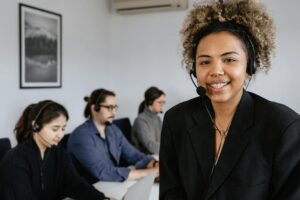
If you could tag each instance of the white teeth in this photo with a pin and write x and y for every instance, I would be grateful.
(218, 85)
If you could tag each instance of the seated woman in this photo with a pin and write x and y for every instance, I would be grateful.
(99, 146)
(37, 168)
(147, 125)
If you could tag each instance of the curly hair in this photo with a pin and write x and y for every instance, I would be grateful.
(249, 14)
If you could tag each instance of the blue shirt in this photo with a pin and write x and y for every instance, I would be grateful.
(101, 157)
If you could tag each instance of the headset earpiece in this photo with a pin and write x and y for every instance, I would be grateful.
(251, 67)
(97, 107)
(36, 127)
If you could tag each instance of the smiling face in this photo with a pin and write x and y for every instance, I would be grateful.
(221, 63)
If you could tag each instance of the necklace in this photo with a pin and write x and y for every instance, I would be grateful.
(223, 135)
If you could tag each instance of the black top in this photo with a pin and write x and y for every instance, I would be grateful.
(260, 159)
(24, 175)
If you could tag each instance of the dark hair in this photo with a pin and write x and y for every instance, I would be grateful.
(237, 30)
(98, 96)
(150, 95)
(41, 114)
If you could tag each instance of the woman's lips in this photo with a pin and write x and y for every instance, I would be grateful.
(217, 85)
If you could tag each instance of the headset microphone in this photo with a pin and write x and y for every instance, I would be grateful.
(108, 123)
(51, 145)
(199, 89)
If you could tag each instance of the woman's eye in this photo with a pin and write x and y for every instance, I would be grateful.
(204, 62)
(229, 60)
(54, 129)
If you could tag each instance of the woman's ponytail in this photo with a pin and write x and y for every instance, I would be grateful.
(23, 128)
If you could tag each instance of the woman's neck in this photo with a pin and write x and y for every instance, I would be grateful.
(224, 112)
(150, 108)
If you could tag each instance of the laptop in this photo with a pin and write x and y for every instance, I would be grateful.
(138, 191)
(141, 190)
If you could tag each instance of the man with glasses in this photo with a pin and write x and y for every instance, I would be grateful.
(98, 145)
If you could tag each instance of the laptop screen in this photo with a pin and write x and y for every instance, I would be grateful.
(141, 189)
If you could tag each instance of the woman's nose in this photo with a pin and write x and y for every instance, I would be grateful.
(216, 69)
(61, 134)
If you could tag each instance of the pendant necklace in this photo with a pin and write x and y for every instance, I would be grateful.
(223, 135)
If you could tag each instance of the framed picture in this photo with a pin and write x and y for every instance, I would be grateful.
(40, 48)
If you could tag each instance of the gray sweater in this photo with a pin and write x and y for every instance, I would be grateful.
(146, 131)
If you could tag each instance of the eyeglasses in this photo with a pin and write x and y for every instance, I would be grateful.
(110, 107)
(160, 102)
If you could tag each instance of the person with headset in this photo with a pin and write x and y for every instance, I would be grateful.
(39, 168)
(99, 146)
(229, 144)
(147, 125)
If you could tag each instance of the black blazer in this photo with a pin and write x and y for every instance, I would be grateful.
(25, 176)
(260, 159)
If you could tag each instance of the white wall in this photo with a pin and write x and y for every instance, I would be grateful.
(85, 47)
(282, 82)
(127, 54)
(146, 50)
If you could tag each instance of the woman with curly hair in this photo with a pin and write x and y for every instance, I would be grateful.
(229, 144)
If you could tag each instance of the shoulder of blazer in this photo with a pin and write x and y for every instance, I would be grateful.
(278, 113)
(184, 114)
(188, 105)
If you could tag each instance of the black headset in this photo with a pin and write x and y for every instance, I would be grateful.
(36, 127)
(97, 106)
(251, 67)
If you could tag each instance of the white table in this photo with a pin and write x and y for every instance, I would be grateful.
(118, 189)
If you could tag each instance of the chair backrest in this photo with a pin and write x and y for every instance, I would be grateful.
(5, 146)
(125, 126)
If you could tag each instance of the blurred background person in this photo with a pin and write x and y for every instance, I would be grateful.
(37, 168)
(99, 146)
(147, 125)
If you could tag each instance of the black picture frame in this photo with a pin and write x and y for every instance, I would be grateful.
(40, 48)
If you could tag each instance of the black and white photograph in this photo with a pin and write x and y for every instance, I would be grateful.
(40, 48)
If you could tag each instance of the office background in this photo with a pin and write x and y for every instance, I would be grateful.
(127, 54)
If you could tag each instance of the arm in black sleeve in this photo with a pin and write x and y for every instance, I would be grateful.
(170, 184)
(285, 183)
(15, 180)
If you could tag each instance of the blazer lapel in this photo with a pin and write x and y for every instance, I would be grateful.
(235, 144)
(202, 138)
